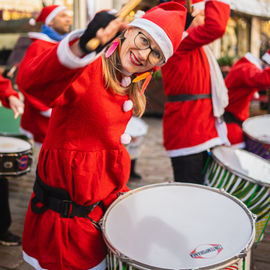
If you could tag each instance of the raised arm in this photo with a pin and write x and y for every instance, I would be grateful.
(59, 66)
(217, 13)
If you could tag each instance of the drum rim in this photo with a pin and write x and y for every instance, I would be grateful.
(17, 152)
(143, 266)
(236, 172)
(250, 136)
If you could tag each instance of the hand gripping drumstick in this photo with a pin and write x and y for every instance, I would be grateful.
(93, 43)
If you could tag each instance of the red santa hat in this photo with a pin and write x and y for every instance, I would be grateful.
(266, 57)
(165, 24)
(47, 14)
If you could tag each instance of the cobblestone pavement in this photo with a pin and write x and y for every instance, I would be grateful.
(153, 165)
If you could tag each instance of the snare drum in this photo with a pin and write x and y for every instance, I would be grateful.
(257, 135)
(245, 176)
(15, 156)
(177, 226)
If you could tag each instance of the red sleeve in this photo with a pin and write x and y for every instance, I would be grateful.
(43, 78)
(6, 91)
(217, 13)
(253, 77)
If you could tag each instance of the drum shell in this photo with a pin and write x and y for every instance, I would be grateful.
(254, 194)
(117, 260)
(254, 131)
(15, 164)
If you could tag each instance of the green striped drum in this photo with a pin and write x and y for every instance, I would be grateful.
(245, 176)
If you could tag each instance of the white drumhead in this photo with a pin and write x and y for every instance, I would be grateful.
(136, 127)
(13, 145)
(258, 127)
(243, 163)
(178, 226)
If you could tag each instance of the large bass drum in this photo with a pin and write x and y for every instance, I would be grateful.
(245, 176)
(257, 135)
(178, 226)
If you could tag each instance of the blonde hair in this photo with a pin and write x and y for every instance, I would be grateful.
(111, 71)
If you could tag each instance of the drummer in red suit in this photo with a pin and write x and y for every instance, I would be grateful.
(56, 23)
(246, 77)
(9, 99)
(189, 124)
(83, 164)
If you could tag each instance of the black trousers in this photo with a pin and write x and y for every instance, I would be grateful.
(5, 217)
(189, 169)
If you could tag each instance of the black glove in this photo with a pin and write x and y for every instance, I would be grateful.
(189, 20)
(101, 20)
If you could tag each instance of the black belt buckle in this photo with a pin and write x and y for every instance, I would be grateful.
(65, 208)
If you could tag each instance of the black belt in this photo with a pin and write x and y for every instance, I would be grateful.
(59, 201)
(186, 97)
(230, 118)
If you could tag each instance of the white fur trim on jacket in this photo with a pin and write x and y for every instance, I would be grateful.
(68, 59)
(40, 36)
(47, 113)
(266, 58)
(54, 13)
(254, 60)
(195, 149)
(157, 33)
(34, 262)
(125, 138)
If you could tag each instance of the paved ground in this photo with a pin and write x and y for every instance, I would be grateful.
(153, 165)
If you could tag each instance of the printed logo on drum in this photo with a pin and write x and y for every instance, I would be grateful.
(23, 162)
(206, 251)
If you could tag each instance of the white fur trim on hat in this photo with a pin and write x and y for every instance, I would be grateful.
(54, 13)
(157, 33)
(266, 58)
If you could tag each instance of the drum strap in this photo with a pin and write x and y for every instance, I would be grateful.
(187, 97)
(230, 118)
(58, 200)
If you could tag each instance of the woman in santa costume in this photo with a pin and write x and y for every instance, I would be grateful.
(83, 164)
(56, 24)
(9, 99)
(247, 76)
(189, 124)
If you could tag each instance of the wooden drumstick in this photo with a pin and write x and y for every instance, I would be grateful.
(93, 43)
(189, 5)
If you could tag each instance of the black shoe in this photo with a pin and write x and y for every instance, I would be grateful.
(134, 175)
(10, 239)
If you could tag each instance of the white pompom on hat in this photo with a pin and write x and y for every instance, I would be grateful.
(165, 24)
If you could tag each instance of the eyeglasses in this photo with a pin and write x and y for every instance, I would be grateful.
(155, 57)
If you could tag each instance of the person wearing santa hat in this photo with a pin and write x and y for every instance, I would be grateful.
(246, 77)
(83, 164)
(9, 99)
(56, 23)
(190, 127)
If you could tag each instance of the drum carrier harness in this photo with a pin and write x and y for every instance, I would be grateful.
(59, 200)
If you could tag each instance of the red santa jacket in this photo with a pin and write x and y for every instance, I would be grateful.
(36, 116)
(82, 154)
(189, 127)
(244, 79)
(6, 91)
